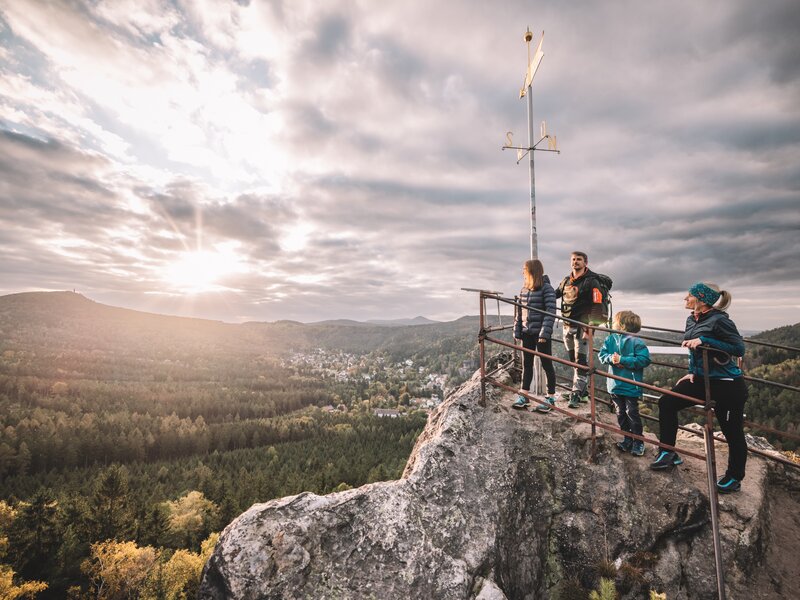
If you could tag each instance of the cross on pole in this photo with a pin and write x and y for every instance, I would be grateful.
(526, 90)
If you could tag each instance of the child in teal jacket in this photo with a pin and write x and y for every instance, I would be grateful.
(627, 357)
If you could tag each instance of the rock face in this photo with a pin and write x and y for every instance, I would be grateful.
(496, 504)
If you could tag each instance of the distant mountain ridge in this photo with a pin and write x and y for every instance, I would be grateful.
(69, 318)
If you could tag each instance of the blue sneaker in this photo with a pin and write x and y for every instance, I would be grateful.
(546, 406)
(625, 445)
(521, 402)
(728, 484)
(638, 450)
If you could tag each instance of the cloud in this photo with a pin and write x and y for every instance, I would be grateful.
(347, 163)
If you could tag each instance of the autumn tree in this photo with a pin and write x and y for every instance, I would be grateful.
(119, 570)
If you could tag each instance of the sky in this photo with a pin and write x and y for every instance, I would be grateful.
(266, 160)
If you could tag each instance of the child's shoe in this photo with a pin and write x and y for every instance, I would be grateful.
(521, 402)
(625, 445)
(638, 448)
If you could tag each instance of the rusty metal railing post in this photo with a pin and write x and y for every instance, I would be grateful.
(481, 338)
(519, 356)
(711, 471)
(590, 375)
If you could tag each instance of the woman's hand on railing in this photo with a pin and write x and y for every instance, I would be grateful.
(688, 377)
(692, 344)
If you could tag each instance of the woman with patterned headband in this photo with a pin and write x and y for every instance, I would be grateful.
(710, 327)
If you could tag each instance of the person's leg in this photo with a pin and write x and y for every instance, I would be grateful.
(622, 420)
(730, 398)
(635, 420)
(547, 364)
(527, 371)
(581, 378)
(668, 407)
(619, 408)
(569, 344)
(528, 342)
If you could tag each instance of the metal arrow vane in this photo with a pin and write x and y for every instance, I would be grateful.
(552, 142)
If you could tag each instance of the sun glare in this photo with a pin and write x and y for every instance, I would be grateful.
(197, 272)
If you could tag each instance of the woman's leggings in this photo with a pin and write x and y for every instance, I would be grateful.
(532, 343)
(730, 396)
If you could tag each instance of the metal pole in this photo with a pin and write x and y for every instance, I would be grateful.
(590, 375)
(538, 383)
(481, 336)
(531, 141)
(711, 471)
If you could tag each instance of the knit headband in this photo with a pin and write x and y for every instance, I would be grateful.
(705, 294)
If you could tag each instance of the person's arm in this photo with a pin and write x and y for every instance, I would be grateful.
(726, 337)
(518, 319)
(549, 301)
(606, 352)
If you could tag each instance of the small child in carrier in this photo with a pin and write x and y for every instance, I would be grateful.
(627, 357)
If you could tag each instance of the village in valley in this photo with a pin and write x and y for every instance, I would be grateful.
(374, 383)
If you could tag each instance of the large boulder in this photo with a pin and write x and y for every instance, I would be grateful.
(496, 503)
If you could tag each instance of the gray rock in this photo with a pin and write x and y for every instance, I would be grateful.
(499, 504)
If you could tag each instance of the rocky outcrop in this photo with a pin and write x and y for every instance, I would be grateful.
(499, 504)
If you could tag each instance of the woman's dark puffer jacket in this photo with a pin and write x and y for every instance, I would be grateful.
(531, 322)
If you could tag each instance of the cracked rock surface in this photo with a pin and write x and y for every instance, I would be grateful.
(499, 504)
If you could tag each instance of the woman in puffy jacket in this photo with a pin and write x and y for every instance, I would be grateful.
(709, 326)
(535, 329)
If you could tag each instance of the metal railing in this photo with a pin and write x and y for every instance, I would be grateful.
(704, 407)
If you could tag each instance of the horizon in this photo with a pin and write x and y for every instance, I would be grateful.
(490, 315)
(249, 162)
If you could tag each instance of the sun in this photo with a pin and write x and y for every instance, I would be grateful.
(200, 271)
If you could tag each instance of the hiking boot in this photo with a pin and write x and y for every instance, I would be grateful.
(728, 484)
(583, 398)
(574, 401)
(625, 445)
(546, 406)
(638, 448)
(521, 402)
(665, 460)
(676, 461)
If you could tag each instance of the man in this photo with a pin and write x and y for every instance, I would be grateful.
(578, 292)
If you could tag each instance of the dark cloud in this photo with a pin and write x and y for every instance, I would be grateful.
(332, 38)
(772, 28)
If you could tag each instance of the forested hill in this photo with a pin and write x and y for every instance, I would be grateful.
(129, 436)
(775, 407)
(66, 320)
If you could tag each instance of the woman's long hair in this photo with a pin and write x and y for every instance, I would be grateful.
(534, 274)
(724, 296)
